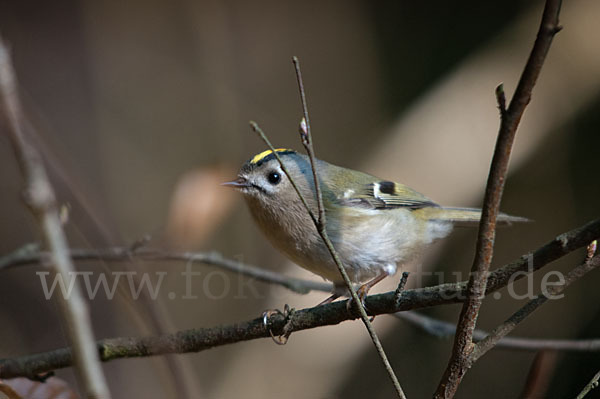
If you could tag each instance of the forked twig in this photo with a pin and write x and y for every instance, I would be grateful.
(481, 348)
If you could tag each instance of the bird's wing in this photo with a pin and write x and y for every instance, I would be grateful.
(385, 195)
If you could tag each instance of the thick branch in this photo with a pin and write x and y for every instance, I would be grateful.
(40, 197)
(463, 342)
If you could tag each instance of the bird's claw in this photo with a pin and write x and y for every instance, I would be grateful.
(361, 293)
(287, 315)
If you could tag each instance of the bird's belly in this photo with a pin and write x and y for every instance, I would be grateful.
(367, 241)
(370, 242)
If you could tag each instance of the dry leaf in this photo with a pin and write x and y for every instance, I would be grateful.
(24, 388)
(198, 205)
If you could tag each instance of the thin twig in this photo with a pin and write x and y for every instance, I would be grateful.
(444, 329)
(509, 121)
(266, 140)
(41, 200)
(124, 254)
(401, 285)
(591, 385)
(306, 136)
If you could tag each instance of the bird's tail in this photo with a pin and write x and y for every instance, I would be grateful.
(469, 217)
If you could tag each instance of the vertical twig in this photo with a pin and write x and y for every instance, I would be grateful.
(320, 220)
(305, 134)
(41, 200)
(463, 342)
(325, 238)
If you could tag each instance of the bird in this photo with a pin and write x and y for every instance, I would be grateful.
(375, 225)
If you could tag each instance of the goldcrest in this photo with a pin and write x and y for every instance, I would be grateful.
(375, 225)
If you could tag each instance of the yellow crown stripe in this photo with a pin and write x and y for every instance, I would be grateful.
(257, 158)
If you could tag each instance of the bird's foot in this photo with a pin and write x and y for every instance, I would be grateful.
(287, 314)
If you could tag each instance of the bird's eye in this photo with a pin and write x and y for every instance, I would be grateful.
(274, 177)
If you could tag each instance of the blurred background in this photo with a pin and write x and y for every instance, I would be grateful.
(141, 109)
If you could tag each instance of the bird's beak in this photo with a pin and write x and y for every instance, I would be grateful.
(240, 182)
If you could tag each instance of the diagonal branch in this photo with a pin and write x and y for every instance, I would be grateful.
(590, 385)
(509, 121)
(41, 200)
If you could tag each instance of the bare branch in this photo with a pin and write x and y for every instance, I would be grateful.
(125, 254)
(306, 137)
(41, 200)
(556, 248)
(463, 342)
(444, 329)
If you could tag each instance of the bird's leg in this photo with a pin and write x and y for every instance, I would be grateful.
(364, 289)
(329, 299)
(338, 291)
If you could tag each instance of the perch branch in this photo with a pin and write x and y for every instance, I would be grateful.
(330, 314)
(40, 197)
(509, 121)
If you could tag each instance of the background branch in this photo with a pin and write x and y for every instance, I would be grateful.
(41, 200)
(509, 121)
(444, 329)
(556, 248)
